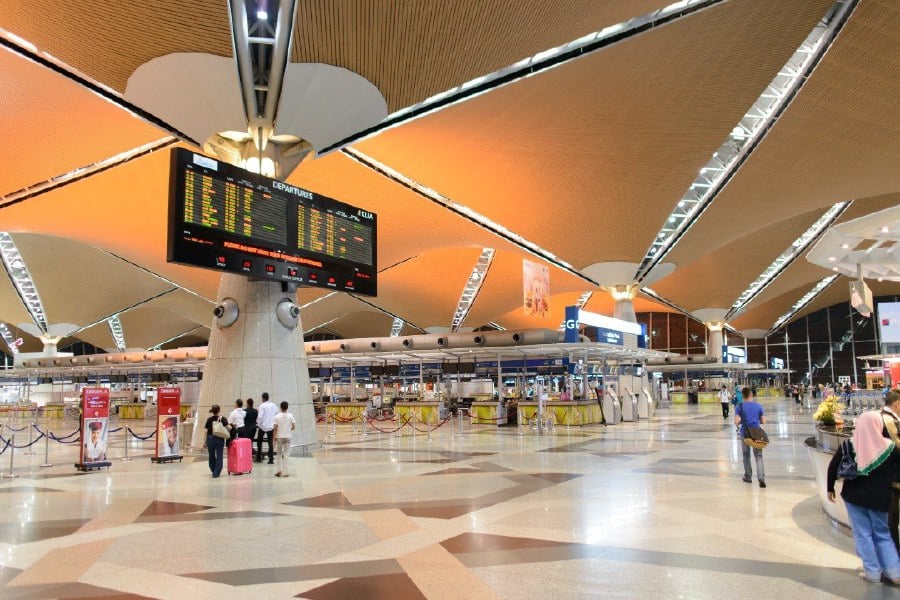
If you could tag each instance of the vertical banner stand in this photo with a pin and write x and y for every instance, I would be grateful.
(94, 429)
(168, 430)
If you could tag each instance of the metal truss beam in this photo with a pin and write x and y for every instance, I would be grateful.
(473, 285)
(118, 334)
(18, 273)
(747, 135)
(803, 301)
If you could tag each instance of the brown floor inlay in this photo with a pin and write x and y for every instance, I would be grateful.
(26, 489)
(23, 533)
(454, 471)
(359, 569)
(332, 500)
(485, 542)
(381, 587)
(159, 508)
(67, 591)
(205, 516)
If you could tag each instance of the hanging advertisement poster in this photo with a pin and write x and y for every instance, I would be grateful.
(94, 428)
(536, 289)
(168, 401)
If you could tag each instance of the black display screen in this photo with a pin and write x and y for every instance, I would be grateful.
(228, 219)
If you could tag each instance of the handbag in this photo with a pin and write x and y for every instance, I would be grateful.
(847, 468)
(754, 436)
(219, 430)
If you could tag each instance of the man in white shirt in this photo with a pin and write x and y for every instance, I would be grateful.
(266, 423)
(725, 399)
(236, 418)
(284, 427)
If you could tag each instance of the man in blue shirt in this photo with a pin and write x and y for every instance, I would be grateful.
(750, 413)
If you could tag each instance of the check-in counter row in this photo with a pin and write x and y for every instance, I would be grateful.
(702, 397)
(425, 411)
(565, 413)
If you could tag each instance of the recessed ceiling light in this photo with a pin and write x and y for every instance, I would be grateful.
(885, 229)
(834, 269)
(845, 246)
(832, 258)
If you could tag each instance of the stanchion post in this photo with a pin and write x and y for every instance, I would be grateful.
(399, 424)
(125, 437)
(12, 452)
(47, 462)
(519, 417)
(363, 434)
(30, 438)
(334, 424)
(428, 425)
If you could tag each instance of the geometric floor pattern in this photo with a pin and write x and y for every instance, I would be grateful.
(654, 509)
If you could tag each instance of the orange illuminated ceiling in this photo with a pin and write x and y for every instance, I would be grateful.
(585, 160)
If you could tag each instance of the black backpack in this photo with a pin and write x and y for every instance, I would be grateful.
(847, 468)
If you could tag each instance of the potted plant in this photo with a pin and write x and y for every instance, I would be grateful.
(829, 412)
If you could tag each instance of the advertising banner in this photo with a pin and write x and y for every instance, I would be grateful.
(536, 289)
(168, 401)
(94, 425)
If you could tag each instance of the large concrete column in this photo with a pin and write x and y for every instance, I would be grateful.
(257, 354)
(624, 297)
(714, 319)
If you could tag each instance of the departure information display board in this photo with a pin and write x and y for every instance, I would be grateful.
(228, 219)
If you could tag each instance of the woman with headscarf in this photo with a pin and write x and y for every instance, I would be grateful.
(868, 496)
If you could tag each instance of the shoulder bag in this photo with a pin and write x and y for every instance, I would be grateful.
(755, 437)
(219, 430)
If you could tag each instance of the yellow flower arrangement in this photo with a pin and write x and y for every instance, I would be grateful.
(828, 410)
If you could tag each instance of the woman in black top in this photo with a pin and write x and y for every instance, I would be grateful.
(249, 430)
(215, 444)
(868, 496)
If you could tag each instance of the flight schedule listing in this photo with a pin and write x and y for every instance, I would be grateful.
(326, 232)
(225, 218)
(233, 207)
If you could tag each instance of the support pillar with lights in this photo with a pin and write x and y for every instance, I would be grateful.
(714, 319)
(624, 297)
(256, 346)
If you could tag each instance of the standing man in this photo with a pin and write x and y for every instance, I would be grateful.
(284, 427)
(724, 399)
(890, 415)
(266, 423)
(236, 419)
(750, 413)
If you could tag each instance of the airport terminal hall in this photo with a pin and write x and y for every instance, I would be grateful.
(450, 299)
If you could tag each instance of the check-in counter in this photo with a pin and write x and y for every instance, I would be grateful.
(820, 450)
(55, 411)
(345, 411)
(424, 411)
(566, 413)
(488, 412)
(702, 397)
(185, 411)
(132, 411)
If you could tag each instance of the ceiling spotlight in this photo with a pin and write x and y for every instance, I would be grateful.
(262, 15)
(835, 269)
(845, 246)
(832, 258)
(885, 229)
(880, 279)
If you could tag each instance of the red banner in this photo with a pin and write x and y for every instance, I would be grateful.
(168, 403)
(94, 424)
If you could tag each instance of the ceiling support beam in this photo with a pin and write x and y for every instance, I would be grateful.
(18, 273)
(803, 301)
(118, 334)
(470, 290)
(747, 135)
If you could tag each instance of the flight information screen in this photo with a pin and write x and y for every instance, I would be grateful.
(228, 219)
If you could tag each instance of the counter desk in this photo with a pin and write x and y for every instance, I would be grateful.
(488, 412)
(572, 412)
(424, 411)
(821, 449)
(132, 410)
(54, 411)
(702, 397)
(345, 410)
(185, 411)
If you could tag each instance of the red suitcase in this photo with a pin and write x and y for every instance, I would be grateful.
(240, 456)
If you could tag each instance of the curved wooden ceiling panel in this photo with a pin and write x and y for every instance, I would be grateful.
(146, 326)
(12, 311)
(362, 324)
(837, 141)
(109, 40)
(122, 210)
(718, 278)
(414, 49)
(80, 284)
(588, 159)
(51, 125)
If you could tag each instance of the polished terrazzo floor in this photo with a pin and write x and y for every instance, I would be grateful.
(655, 509)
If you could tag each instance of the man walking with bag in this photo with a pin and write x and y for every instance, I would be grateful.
(750, 413)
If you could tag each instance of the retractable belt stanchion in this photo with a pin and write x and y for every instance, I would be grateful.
(47, 462)
(12, 452)
(334, 424)
(519, 417)
(363, 433)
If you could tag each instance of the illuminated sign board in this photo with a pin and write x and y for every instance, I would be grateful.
(228, 219)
